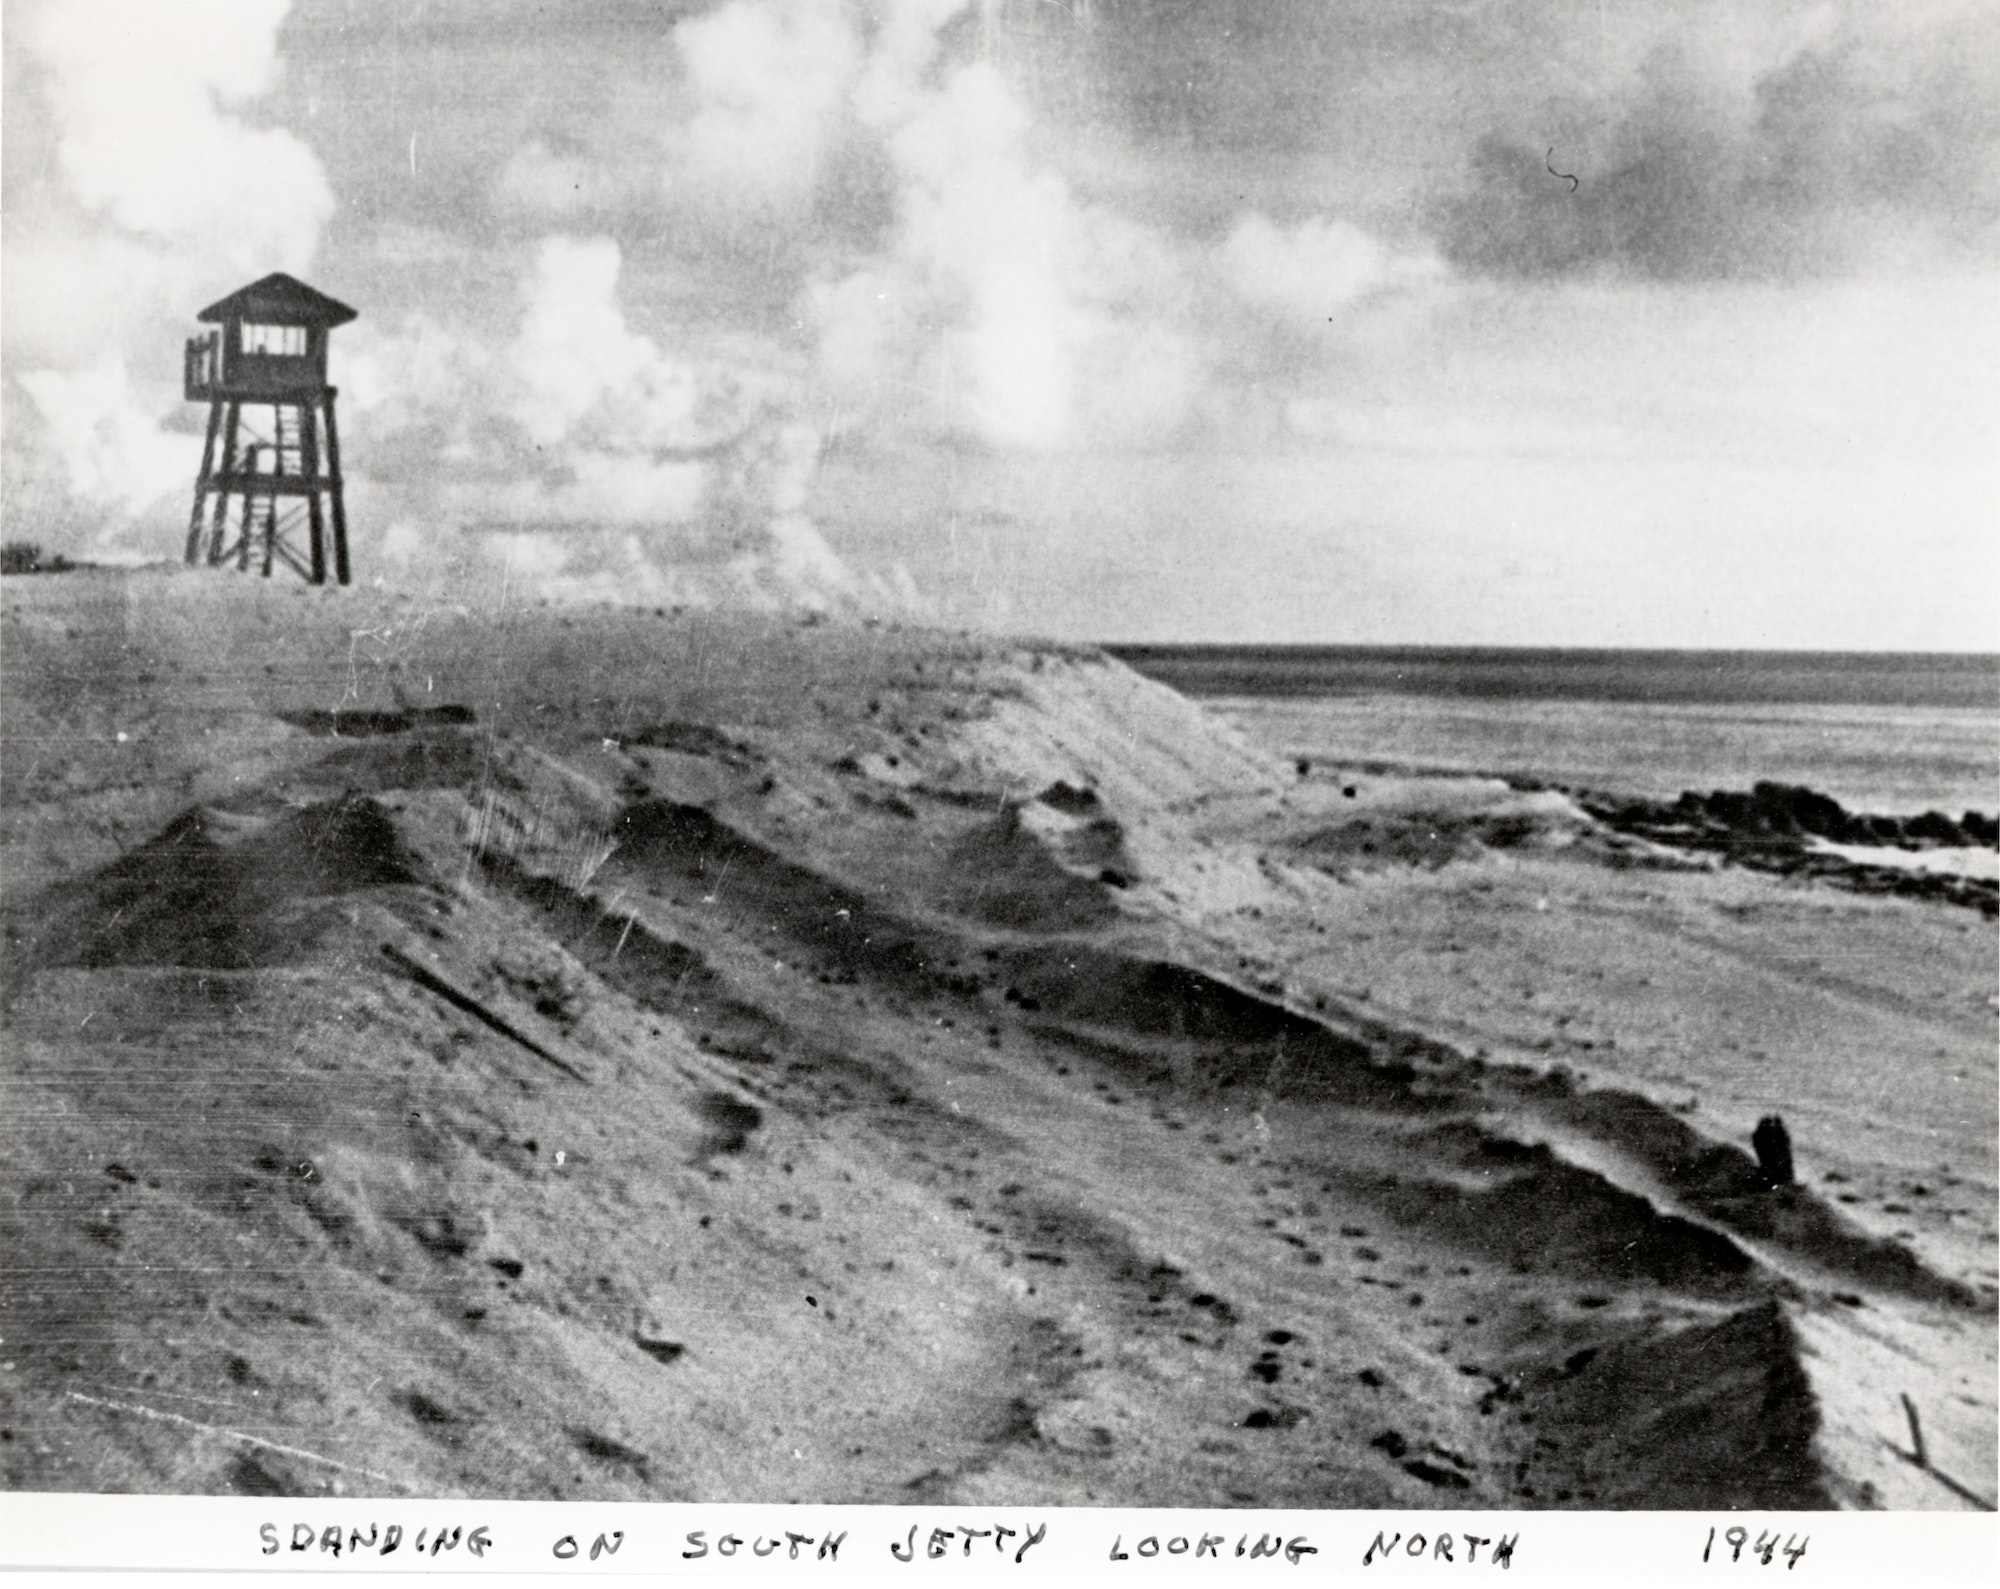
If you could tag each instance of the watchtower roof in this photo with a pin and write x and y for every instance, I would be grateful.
(279, 300)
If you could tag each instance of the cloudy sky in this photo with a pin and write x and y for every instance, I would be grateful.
(1589, 322)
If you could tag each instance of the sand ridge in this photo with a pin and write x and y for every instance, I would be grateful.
(537, 1052)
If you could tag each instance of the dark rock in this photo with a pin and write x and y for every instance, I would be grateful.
(1770, 827)
(1934, 827)
(1066, 797)
(1275, 1418)
(1805, 810)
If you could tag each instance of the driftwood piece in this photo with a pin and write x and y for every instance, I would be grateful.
(431, 982)
(1773, 1145)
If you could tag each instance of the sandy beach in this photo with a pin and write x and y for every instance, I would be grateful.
(541, 1052)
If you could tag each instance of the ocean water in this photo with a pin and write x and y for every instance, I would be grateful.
(1888, 733)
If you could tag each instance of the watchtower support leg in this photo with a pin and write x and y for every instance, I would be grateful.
(333, 482)
(309, 464)
(218, 520)
(201, 483)
(249, 505)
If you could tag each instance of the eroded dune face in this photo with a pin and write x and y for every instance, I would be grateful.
(560, 1054)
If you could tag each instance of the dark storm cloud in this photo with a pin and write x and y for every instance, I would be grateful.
(1840, 157)
(1713, 139)
(1297, 107)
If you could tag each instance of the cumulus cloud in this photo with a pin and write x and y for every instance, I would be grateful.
(146, 138)
(872, 166)
(968, 289)
(111, 450)
(578, 360)
(1847, 152)
(1312, 270)
(969, 303)
(559, 438)
(583, 454)
(946, 279)
(995, 304)
(770, 81)
(880, 168)
(160, 189)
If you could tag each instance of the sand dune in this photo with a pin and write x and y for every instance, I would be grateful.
(548, 1053)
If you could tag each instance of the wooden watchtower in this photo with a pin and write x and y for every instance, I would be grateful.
(269, 357)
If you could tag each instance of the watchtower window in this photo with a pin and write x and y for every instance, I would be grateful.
(281, 341)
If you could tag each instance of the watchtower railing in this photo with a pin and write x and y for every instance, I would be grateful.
(202, 372)
(210, 374)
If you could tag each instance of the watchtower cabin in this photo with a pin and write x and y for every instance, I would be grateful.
(270, 467)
